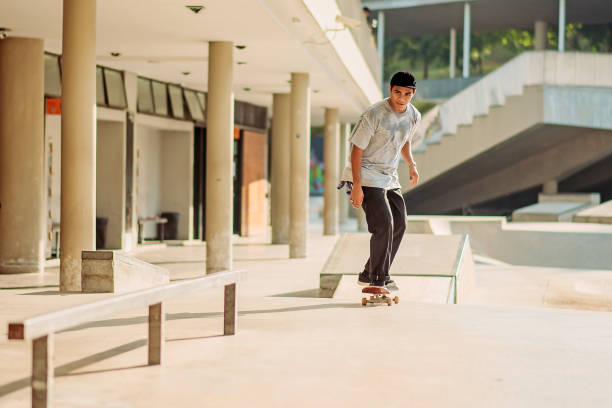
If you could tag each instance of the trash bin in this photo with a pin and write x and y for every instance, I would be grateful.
(101, 224)
(171, 228)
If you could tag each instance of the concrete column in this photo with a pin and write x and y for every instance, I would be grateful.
(561, 25)
(330, 171)
(219, 157)
(300, 162)
(78, 196)
(22, 185)
(380, 43)
(343, 201)
(453, 52)
(550, 187)
(466, 39)
(540, 35)
(281, 138)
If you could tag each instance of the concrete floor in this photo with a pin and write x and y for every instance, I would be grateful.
(295, 349)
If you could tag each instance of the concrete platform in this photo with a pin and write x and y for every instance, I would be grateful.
(558, 244)
(601, 214)
(419, 256)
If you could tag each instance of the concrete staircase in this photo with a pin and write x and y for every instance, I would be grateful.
(542, 116)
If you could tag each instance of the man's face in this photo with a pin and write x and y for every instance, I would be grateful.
(401, 95)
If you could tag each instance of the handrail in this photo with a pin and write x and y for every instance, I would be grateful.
(41, 328)
(528, 68)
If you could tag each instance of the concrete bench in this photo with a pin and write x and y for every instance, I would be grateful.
(156, 220)
(41, 329)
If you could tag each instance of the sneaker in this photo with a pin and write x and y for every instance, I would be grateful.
(363, 279)
(391, 285)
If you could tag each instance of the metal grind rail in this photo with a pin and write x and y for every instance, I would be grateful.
(41, 329)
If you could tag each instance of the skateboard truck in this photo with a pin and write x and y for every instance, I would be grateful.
(377, 296)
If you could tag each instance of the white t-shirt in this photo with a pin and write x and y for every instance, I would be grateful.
(381, 133)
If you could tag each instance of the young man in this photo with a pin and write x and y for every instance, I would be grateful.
(383, 135)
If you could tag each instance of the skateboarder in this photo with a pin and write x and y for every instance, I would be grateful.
(382, 135)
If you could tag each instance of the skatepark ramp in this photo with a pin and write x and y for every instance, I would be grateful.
(427, 268)
(542, 116)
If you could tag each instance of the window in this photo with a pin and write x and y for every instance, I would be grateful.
(194, 105)
(145, 96)
(53, 81)
(202, 99)
(176, 101)
(115, 92)
(160, 98)
(100, 94)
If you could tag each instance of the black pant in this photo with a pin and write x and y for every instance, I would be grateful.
(386, 215)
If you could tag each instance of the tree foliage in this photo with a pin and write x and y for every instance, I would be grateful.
(428, 55)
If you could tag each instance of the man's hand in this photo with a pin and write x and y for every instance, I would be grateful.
(414, 176)
(356, 196)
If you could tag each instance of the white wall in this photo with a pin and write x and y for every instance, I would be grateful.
(148, 170)
(177, 179)
(110, 179)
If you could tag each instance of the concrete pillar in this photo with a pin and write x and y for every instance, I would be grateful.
(78, 196)
(380, 43)
(466, 39)
(550, 187)
(281, 138)
(453, 52)
(219, 157)
(22, 186)
(331, 141)
(343, 200)
(561, 25)
(540, 35)
(300, 162)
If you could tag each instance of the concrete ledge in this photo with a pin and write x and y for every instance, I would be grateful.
(420, 256)
(601, 214)
(108, 271)
(549, 211)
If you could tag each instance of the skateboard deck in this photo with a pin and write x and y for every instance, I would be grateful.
(377, 296)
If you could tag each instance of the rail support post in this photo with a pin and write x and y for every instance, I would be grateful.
(42, 371)
(229, 310)
(157, 320)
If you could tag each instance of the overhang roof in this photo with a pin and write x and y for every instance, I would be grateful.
(161, 39)
(419, 17)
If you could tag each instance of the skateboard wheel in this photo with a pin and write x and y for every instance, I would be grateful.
(396, 299)
(364, 301)
(389, 302)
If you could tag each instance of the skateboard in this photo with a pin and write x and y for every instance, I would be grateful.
(377, 296)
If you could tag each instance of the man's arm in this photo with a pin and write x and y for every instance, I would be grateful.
(407, 155)
(357, 192)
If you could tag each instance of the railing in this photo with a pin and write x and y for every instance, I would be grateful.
(529, 68)
(41, 328)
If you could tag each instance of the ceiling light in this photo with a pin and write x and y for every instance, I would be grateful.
(4, 32)
(115, 54)
(195, 9)
(241, 47)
